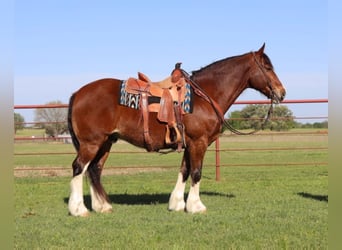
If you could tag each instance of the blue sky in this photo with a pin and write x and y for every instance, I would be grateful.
(62, 45)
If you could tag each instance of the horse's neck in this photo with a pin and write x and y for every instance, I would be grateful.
(226, 88)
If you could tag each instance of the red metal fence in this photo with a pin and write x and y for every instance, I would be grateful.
(217, 143)
(296, 101)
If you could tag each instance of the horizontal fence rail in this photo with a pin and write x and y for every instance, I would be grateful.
(209, 150)
(294, 101)
(217, 149)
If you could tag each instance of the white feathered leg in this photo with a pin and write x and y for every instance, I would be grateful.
(176, 201)
(98, 204)
(76, 204)
(194, 203)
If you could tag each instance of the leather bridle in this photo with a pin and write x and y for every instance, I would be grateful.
(274, 97)
(200, 92)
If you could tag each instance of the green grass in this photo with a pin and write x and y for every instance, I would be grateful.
(28, 132)
(274, 206)
(250, 208)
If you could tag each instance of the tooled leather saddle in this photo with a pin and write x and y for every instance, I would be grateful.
(172, 93)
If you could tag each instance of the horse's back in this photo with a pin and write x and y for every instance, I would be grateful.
(102, 86)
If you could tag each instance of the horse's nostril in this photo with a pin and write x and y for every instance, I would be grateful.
(283, 95)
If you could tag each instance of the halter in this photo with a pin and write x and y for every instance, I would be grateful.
(200, 92)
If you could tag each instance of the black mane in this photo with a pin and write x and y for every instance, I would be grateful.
(266, 61)
(214, 64)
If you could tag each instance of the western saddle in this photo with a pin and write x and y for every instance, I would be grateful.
(171, 92)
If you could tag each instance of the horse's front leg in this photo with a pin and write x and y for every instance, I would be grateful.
(176, 201)
(194, 203)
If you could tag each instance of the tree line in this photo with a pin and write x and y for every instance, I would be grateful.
(252, 116)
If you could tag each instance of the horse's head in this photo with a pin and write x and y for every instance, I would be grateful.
(264, 79)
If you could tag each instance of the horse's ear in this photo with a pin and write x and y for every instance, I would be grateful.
(261, 50)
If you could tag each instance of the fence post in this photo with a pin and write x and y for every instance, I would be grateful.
(217, 152)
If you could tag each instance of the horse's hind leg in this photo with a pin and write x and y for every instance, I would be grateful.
(76, 204)
(100, 203)
(81, 164)
(99, 199)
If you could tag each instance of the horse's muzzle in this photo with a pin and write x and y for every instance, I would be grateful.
(278, 96)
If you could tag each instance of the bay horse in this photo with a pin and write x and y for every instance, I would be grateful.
(96, 121)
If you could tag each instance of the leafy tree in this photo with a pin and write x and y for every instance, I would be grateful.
(320, 124)
(235, 119)
(18, 122)
(306, 125)
(284, 119)
(252, 117)
(52, 119)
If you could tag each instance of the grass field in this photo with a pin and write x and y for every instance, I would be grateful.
(280, 206)
(134, 157)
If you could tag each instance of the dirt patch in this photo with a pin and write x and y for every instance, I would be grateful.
(51, 172)
(41, 172)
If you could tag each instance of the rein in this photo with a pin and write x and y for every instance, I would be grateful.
(200, 92)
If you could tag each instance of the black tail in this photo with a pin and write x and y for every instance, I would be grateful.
(71, 129)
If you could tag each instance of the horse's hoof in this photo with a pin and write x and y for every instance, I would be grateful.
(178, 208)
(81, 212)
(200, 211)
(107, 211)
(176, 205)
(196, 207)
(85, 214)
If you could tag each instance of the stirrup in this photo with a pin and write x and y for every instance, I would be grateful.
(167, 135)
(179, 136)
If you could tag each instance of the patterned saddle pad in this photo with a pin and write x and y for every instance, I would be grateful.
(133, 100)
